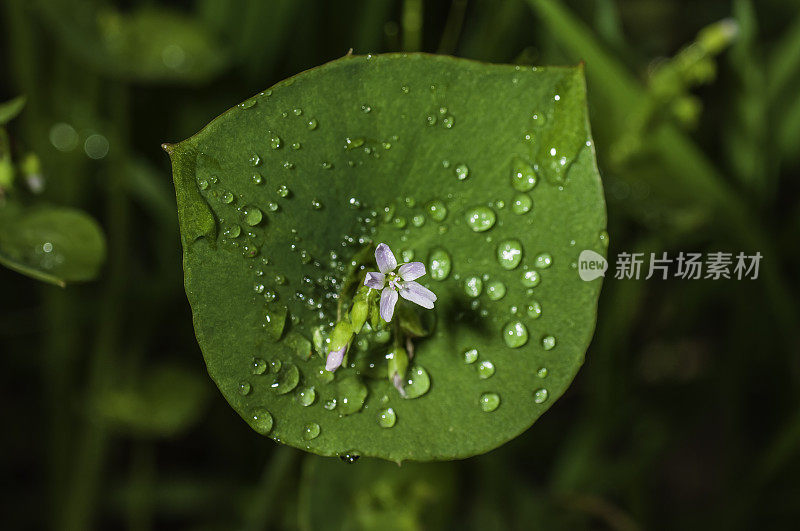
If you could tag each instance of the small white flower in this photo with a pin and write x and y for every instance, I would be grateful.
(401, 283)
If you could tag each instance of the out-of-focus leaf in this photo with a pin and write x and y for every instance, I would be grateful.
(11, 108)
(168, 401)
(149, 43)
(53, 244)
(485, 172)
(372, 494)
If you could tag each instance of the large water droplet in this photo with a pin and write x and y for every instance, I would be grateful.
(523, 177)
(542, 372)
(540, 395)
(439, 264)
(481, 218)
(489, 401)
(306, 396)
(509, 253)
(311, 431)
(255, 160)
(351, 395)
(387, 418)
(252, 215)
(418, 382)
(275, 142)
(515, 334)
(462, 171)
(244, 388)
(286, 380)
(261, 420)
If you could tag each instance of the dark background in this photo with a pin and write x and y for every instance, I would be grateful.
(685, 415)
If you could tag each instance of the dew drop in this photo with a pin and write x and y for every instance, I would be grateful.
(531, 278)
(261, 420)
(258, 366)
(351, 395)
(252, 215)
(316, 204)
(509, 253)
(439, 264)
(495, 290)
(548, 342)
(462, 171)
(418, 382)
(489, 401)
(430, 119)
(534, 310)
(273, 206)
(306, 396)
(522, 204)
(604, 238)
(407, 255)
(485, 370)
(481, 218)
(448, 121)
(311, 431)
(540, 395)
(203, 184)
(418, 220)
(473, 286)
(255, 160)
(349, 457)
(470, 355)
(312, 124)
(226, 197)
(515, 334)
(232, 231)
(542, 372)
(436, 210)
(283, 190)
(244, 388)
(257, 179)
(543, 261)
(523, 176)
(247, 104)
(275, 142)
(330, 404)
(405, 89)
(286, 380)
(387, 418)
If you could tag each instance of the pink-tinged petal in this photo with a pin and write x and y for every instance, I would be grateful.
(388, 300)
(335, 358)
(385, 258)
(397, 381)
(418, 294)
(412, 270)
(375, 280)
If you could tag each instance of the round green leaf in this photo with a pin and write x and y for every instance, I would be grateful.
(484, 172)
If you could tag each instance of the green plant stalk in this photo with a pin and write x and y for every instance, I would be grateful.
(273, 479)
(92, 445)
(412, 25)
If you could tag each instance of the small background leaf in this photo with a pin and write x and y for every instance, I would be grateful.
(53, 244)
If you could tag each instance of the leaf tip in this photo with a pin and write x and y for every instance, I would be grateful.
(169, 148)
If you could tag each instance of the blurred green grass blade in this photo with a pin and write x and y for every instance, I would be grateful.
(406, 149)
(53, 244)
(784, 60)
(11, 108)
